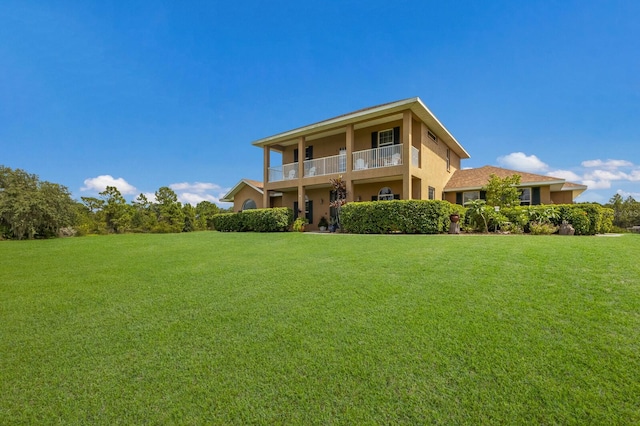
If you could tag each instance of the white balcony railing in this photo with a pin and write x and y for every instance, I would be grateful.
(284, 172)
(325, 165)
(375, 158)
(415, 157)
(386, 156)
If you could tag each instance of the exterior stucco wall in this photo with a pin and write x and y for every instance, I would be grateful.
(366, 191)
(244, 194)
(562, 197)
(362, 137)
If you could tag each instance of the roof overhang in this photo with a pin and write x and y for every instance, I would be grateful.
(555, 185)
(367, 117)
(229, 196)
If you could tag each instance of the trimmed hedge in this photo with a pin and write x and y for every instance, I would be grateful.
(586, 219)
(256, 220)
(403, 216)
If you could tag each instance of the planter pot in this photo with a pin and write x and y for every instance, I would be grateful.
(454, 218)
(322, 228)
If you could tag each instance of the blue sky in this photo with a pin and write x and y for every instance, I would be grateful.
(144, 94)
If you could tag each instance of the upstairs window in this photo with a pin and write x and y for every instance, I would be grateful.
(448, 159)
(385, 137)
(432, 136)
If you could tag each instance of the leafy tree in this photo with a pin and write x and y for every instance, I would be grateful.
(117, 214)
(503, 192)
(205, 211)
(190, 222)
(626, 212)
(30, 207)
(478, 213)
(340, 188)
(168, 211)
(143, 219)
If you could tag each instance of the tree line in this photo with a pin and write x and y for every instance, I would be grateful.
(31, 208)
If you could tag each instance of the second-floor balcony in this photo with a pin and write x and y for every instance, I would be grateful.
(386, 156)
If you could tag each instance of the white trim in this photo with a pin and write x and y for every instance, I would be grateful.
(386, 143)
(228, 197)
(415, 104)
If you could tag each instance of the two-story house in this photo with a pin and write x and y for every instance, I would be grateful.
(398, 150)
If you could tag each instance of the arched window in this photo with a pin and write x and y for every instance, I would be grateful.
(385, 194)
(249, 204)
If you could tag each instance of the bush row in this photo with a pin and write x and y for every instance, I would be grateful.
(586, 219)
(405, 216)
(257, 220)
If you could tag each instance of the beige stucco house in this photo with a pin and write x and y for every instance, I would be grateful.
(466, 185)
(398, 150)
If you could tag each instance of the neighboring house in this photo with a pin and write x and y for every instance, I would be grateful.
(398, 150)
(466, 185)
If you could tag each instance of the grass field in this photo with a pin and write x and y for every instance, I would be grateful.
(320, 329)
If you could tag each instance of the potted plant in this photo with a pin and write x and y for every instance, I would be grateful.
(298, 224)
(323, 224)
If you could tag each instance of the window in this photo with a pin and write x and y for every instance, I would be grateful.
(385, 138)
(249, 204)
(470, 196)
(385, 194)
(448, 159)
(432, 136)
(525, 197)
(432, 193)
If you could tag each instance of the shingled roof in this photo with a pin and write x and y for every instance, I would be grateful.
(469, 179)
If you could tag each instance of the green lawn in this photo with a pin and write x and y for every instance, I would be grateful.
(320, 329)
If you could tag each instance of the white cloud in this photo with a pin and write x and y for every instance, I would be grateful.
(597, 184)
(100, 183)
(608, 164)
(193, 193)
(626, 194)
(523, 162)
(151, 196)
(565, 174)
(197, 187)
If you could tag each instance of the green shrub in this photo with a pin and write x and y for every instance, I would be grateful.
(277, 219)
(404, 216)
(299, 224)
(256, 220)
(586, 219)
(542, 228)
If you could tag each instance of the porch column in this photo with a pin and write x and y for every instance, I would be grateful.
(350, 137)
(407, 132)
(302, 153)
(301, 203)
(266, 164)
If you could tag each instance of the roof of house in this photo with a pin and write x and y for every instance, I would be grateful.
(364, 117)
(474, 179)
(229, 196)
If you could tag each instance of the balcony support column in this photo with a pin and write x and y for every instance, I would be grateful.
(302, 153)
(350, 137)
(266, 165)
(301, 201)
(407, 132)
